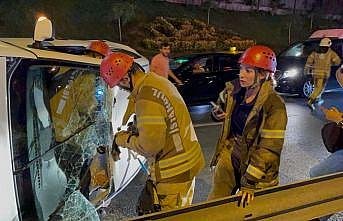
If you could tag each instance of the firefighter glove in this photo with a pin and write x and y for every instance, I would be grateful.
(115, 152)
(333, 114)
(122, 138)
(246, 192)
(247, 196)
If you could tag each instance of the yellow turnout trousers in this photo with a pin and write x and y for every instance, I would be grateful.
(224, 181)
(319, 86)
(175, 195)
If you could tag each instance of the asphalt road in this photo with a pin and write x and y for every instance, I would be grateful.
(303, 148)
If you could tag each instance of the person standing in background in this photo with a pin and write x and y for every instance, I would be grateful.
(319, 65)
(160, 63)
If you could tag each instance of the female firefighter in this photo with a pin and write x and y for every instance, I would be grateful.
(248, 152)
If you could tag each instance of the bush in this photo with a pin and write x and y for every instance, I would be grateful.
(191, 35)
(150, 44)
(241, 45)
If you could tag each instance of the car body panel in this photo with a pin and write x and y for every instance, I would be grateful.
(12, 46)
(8, 50)
(328, 33)
(8, 205)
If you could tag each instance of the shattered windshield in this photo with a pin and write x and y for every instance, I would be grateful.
(65, 122)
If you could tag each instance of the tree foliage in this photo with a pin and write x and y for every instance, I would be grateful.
(125, 10)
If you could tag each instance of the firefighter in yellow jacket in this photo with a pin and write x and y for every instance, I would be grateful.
(166, 136)
(81, 107)
(248, 152)
(319, 64)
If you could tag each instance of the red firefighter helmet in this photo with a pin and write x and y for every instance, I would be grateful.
(259, 56)
(99, 47)
(114, 67)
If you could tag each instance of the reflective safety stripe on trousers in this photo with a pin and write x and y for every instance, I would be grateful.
(273, 134)
(180, 163)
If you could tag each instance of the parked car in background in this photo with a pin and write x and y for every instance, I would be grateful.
(290, 75)
(204, 74)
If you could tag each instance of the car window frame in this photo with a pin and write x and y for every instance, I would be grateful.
(218, 56)
(192, 62)
(26, 63)
(314, 43)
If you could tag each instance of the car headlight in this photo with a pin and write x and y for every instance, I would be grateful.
(291, 73)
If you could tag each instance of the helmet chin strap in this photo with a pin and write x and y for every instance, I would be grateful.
(130, 87)
(257, 80)
(257, 83)
(131, 81)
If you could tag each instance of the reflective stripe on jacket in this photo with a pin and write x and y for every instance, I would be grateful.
(263, 134)
(79, 99)
(166, 134)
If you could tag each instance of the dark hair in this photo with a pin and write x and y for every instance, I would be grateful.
(164, 44)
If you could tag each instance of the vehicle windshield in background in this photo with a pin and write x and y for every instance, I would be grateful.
(178, 61)
(301, 50)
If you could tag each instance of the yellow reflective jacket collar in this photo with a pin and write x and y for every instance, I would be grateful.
(265, 90)
(139, 78)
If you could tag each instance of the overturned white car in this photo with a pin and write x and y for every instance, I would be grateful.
(37, 159)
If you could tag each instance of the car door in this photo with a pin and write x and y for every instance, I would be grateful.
(337, 46)
(199, 81)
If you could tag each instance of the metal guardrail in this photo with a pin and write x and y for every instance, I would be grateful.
(301, 201)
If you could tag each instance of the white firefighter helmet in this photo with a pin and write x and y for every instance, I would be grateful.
(325, 42)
